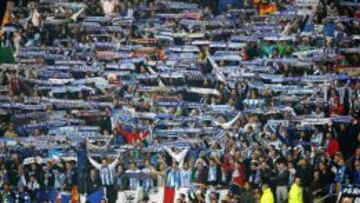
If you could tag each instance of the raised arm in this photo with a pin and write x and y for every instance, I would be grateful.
(170, 152)
(177, 157)
(228, 124)
(113, 164)
(181, 156)
(76, 15)
(94, 163)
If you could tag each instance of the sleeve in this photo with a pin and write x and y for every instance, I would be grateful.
(181, 157)
(113, 164)
(170, 152)
(76, 15)
(94, 163)
(228, 124)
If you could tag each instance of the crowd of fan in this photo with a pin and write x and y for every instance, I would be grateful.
(281, 101)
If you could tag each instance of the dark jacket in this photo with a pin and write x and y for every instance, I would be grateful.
(200, 176)
(282, 178)
(218, 176)
(93, 183)
(122, 182)
(247, 197)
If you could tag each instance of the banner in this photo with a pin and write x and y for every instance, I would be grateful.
(349, 194)
(306, 7)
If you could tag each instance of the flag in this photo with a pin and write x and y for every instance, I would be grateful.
(166, 195)
(95, 197)
(169, 195)
(75, 195)
(64, 197)
(267, 8)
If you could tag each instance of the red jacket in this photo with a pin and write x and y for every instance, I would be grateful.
(333, 147)
(131, 137)
(238, 177)
(338, 109)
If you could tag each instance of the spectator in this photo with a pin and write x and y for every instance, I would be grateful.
(267, 196)
(296, 192)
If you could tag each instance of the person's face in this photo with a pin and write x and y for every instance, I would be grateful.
(221, 86)
(238, 154)
(162, 167)
(328, 135)
(264, 187)
(253, 167)
(342, 127)
(92, 172)
(253, 95)
(322, 166)
(357, 165)
(298, 181)
(6, 187)
(11, 127)
(33, 166)
(212, 196)
(212, 162)
(231, 161)
(37, 132)
(104, 162)
(147, 163)
(357, 153)
(105, 132)
(68, 165)
(237, 166)
(199, 165)
(120, 169)
(316, 175)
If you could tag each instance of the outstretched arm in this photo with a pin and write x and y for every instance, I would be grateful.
(76, 15)
(228, 124)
